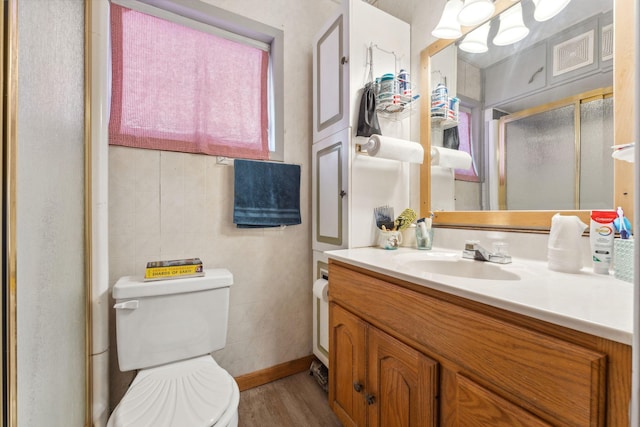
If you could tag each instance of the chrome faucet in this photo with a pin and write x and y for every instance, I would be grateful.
(473, 250)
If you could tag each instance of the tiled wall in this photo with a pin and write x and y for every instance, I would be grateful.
(165, 205)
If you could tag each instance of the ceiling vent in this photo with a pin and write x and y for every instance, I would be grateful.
(607, 42)
(573, 54)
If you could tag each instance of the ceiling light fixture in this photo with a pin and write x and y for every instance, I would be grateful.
(512, 28)
(547, 9)
(476, 41)
(475, 12)
(449, 27)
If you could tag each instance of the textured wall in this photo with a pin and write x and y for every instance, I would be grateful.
(50, 281)
(166, 205)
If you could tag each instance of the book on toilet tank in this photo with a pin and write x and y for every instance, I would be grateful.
(173, 269)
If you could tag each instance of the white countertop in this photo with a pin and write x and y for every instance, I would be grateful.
(596, 304)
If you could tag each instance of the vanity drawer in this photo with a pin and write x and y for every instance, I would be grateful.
(555, 380)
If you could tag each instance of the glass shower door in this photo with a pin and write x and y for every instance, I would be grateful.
(558, 158)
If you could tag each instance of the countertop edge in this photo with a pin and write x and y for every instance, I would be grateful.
(558, 317)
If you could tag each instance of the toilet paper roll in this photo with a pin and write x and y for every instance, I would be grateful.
(448, 158)
(566, 232)
(321, 289)
(395, 149)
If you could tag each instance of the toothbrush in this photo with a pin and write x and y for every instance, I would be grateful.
(624, 233)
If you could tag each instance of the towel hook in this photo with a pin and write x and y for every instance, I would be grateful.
(396, 59)
(370, 61)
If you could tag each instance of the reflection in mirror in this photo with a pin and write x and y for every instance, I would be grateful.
(565, 59)
(566, 148)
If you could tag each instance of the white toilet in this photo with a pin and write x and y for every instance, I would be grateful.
(167, 329)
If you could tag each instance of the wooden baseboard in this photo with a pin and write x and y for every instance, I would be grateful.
(264, 376)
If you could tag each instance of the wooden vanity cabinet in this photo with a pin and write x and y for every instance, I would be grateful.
(347, 341)
(380, 381)
(405, 355)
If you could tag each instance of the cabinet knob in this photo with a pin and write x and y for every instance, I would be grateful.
(342, 194)
(357, 387)
(371, 399)
(344, 60)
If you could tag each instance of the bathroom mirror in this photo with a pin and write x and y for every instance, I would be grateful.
(537, 87)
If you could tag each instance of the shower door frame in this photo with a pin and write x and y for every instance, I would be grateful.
(575, 101)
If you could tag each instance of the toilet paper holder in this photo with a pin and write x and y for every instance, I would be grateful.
(385, 147)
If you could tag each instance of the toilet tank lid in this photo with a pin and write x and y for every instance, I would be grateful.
(136, 287)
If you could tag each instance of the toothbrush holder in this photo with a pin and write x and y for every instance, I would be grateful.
(623, 257)
(424, 238)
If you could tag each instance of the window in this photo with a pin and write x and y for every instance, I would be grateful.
(466, 144)
(177, 88)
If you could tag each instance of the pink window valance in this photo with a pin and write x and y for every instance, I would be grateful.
(178, 89)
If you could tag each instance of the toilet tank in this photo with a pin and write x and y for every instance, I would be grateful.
(165, 321)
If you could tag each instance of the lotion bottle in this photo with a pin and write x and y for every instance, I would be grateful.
(601, 235)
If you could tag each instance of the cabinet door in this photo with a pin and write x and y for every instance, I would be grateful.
(347, 366)
(523, 77)
(478, 407)
(401, 384)
(330, 79)
(329, 192)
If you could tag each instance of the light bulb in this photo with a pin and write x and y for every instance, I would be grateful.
(476, 41)
(512, 28)
(475, 12)
(547, 9)
(448, 27)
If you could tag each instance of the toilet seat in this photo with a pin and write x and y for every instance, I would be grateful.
(195, 392)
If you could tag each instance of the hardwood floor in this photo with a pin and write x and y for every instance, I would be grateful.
(296, 401)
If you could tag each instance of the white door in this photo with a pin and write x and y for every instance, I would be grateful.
(330, 79)
(329, 192)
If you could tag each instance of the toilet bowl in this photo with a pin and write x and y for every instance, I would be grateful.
(197, 392)
(167, 330)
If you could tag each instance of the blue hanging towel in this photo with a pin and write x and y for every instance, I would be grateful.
(266, 194)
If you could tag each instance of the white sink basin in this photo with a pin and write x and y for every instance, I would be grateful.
(452, 264)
